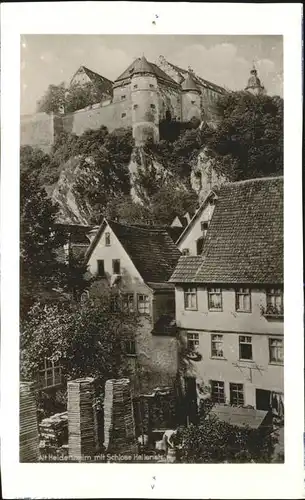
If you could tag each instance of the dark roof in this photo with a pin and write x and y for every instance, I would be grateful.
(152, 251)
(174, 232)
(189, 83)
(141, 65)
(161, 286)
(244, 243)
(102, 84)
(198, 79)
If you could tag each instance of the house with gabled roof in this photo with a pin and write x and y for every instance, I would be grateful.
(102, 85)
(137, 262)
(229, 300)
(191, 239)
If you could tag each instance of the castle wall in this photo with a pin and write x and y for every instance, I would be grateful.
(39, 130)
(208, 100)
(112, 116)
(169, 100)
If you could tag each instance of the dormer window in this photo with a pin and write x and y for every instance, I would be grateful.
(123, 97)
(186, 251)
(107, 239)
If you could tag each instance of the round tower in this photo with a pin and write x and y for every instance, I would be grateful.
(144, 102)
(254, 84)
(191, 99)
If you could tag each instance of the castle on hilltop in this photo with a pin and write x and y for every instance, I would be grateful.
(144, 95)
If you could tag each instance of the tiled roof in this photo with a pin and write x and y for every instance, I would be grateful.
(161, 286)
(102, 84)
(244, 243)
(141, 65)
(189, 83)
(152, 251)
(198, 79)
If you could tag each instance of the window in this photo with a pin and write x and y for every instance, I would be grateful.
(128, 302)
(237, 394)
(100, 268)
(190, 299)
(151, 86)
(193, 102)
(123, 115)
(217, 346)
(245, 347)
(116, 266)
(218, 391)
(204, 225)
(243, 300)
(214, 299)
(153, 106)
(107, 239)
(276, 351)
(186, 251)
(143, 304)
(199, 245)
(130, 347)
(123, 97)
(192, 341)
(135, 86)
(51, 373)
(135, 106)
(275, 302)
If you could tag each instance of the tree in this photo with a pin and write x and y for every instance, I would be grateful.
(125, 210)
(86, 338)
(172, 200)
(248, 140)
(214, 441)
(79, 96)
(40, 239)
(53, 99)
(103, 169)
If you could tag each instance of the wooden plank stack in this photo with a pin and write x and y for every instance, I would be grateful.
(28, 432)
(119, 426)
(81, 431)
(53, 430)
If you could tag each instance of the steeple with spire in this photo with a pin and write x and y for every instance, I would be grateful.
(254, 84)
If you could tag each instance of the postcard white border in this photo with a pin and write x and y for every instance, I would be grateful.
(134, 481)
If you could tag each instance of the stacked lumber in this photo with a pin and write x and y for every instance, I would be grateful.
(81, 430)
(119, 426)
(53, 430)
(28, 432)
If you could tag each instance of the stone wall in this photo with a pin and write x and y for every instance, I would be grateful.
(110, 115)
(39, 130)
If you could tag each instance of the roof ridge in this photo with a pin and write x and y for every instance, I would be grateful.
(131, 226)
(255, 179)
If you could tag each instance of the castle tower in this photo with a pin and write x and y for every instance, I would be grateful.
(254, 84)
(191, 102)
(144, 102)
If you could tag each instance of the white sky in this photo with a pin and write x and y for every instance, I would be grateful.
(225, 60)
